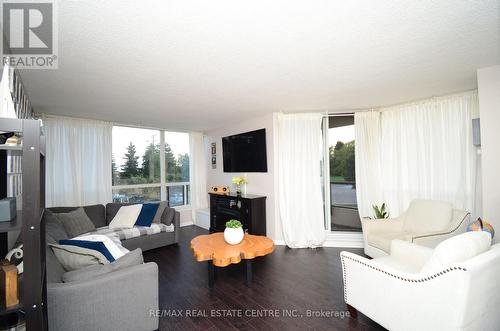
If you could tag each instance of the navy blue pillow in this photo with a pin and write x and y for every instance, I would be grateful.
(94, 245)
(148, 212)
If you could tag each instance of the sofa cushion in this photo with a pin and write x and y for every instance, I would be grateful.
(147, 214)
(427, 216)
(91, 272)
(126, 217)
(159, 212)
(382, 240)
(96, 213)
(458, 249)
(75, 222)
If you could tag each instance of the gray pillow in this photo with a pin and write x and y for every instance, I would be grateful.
(168, 216)
(159, 212)
(75, 222)
(74, 257)
(91, 272)
(53, 227)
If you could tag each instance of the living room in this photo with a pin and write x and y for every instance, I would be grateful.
(285, 165)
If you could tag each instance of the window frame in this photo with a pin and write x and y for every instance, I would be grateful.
(163, 185)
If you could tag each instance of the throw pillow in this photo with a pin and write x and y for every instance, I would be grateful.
(168, 216)
(147, 214)
(75, 222)
(457, 249)
(73, 257)
(125, 217)
(159, 212)
(91, 272)
(53, 227)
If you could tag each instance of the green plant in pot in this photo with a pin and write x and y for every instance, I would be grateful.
(380, 211)
(233, 234)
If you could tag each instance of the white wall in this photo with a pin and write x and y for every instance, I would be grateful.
(258, 183)
(489, 108)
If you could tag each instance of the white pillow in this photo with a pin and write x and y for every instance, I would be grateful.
(126, 217)
(458, 249)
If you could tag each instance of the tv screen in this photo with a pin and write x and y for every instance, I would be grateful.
(245, 152)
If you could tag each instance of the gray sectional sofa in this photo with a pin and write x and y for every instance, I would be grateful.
(119, 300)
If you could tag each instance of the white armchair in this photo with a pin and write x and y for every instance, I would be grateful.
(415, 288)
(426, 223)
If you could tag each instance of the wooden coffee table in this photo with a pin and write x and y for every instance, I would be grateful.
(213, 249)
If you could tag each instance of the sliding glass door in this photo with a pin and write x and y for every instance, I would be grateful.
(339, 174)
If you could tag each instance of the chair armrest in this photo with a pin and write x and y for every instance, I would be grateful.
(119, 300)
(457, 225)
(410, 253)
(376, 291)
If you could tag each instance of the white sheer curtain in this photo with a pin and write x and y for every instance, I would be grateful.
(417, 150)
(298, 156)
(7, 108)
(198, 172)
(78, 161)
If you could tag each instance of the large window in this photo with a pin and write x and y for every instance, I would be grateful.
(342, 182)
(150, 165)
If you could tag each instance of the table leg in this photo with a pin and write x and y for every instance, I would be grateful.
(211, 274)
(249, 272)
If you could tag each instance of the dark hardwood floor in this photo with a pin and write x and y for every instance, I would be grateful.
(289, 281)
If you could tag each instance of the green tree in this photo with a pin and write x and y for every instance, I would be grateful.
(183, 164)
(151, 163)
(114, 171)
(342, 160)
(172, 170)
(131, 166)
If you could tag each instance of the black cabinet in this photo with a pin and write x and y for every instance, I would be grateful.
(250, 210)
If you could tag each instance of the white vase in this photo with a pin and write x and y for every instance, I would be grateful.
(233, 236)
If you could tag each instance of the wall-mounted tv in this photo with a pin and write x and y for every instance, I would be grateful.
(245, 152)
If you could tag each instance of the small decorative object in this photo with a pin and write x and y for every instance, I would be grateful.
(214, 156)
(13, 141)
(219, 189)
(481, 225)
(4, 136)
(233, 234)
(7, 209)
(8, 284)
(239, 181)
(15, 256)
(380, 212)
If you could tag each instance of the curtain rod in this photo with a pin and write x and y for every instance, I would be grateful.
(350, 111)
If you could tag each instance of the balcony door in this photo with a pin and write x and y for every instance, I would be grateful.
(340, 180)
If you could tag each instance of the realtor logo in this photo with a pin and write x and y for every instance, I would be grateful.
(29, 34)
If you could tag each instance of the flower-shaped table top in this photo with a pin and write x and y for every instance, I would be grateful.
(214, 247)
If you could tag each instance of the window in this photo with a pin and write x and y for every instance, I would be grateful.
(142, 171)
(342, 181)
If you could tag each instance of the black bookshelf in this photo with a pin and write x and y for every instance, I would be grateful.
(32, 283)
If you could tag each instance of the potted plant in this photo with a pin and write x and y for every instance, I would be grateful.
(239, 181)
(380, 212)
(233, 234)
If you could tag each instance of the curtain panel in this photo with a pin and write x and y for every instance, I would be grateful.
(198, 172)
(78, 161)
(417, 150)
(300, 202)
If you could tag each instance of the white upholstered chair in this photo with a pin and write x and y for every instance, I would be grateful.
(426, 223)
(456, 286)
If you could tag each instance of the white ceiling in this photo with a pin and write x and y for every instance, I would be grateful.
(197, 65)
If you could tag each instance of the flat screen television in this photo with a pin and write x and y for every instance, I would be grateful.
(245, 152)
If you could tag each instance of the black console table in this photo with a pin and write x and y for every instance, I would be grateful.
(249, 209)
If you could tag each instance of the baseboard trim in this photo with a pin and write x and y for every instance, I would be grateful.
(279, 242)
(186, 223)
(344, 239)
